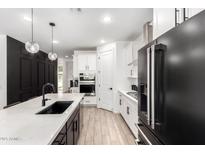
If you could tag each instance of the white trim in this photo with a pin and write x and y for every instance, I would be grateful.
(152, 83)
(3, 68)
(148, 86)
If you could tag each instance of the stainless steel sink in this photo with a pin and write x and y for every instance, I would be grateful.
(56, 108)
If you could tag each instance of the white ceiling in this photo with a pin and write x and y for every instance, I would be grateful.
(74, 30)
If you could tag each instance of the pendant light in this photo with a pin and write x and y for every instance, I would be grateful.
(51, 55)
(32, 46)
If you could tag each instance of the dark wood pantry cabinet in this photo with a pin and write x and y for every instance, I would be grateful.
(26, 73)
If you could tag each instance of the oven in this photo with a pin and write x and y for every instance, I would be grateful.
(87, 83)
(87, 87)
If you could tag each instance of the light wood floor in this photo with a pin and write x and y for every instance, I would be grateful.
(102, 127)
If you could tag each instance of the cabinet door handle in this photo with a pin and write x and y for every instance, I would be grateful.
(75, 127)
(128, 110)
(120, 102)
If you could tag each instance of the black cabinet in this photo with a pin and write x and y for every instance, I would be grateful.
(70, 133)
(76, 127)
(61, 138)
(26, 73)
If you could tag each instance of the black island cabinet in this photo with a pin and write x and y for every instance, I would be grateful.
(70, 132)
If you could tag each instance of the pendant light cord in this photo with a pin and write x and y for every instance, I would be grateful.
(32, 24)
(52, 38)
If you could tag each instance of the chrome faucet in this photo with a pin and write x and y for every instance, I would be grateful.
(43, 92)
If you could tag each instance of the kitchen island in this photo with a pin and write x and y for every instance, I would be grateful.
(20, 125)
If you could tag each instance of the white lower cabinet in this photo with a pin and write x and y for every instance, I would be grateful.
(193, 11)
(132, 117)
(89, 100)
(128, 109)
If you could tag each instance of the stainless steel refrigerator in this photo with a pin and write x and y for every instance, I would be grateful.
(171, 82)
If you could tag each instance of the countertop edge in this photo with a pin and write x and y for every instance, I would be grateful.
(64, 122)
(124, 92)
(31, 107)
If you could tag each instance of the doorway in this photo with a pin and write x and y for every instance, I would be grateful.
(105, 79)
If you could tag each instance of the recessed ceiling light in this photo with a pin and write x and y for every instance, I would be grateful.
(66, 56)
(27, 18)
(102, 41)
(107, 19)
(55, 41)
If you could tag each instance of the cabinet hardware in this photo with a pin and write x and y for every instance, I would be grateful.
(177, 12)
(75, 126)
(128, 110)
(185, 14)
(120, 102)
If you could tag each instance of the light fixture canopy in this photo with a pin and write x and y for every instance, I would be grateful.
(51, 55)
(32, 46)
(107, 19)
(102, 41)
(55, 42)
(27, 18)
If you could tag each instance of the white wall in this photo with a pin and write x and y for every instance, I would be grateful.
(62, 61)
(69, 71)
(122, 65)
(3, 69)
(137, 44)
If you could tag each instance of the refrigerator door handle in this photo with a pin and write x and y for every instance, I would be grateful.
(152, 86)
(148, 86)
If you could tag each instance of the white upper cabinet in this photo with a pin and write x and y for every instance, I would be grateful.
(86, 61)
(91, 61)
(82, 62)
(163, 20)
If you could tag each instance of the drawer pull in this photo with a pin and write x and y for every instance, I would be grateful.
(128, 110)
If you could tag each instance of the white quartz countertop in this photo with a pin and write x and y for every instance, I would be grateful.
(124, 92)
(19, 124)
